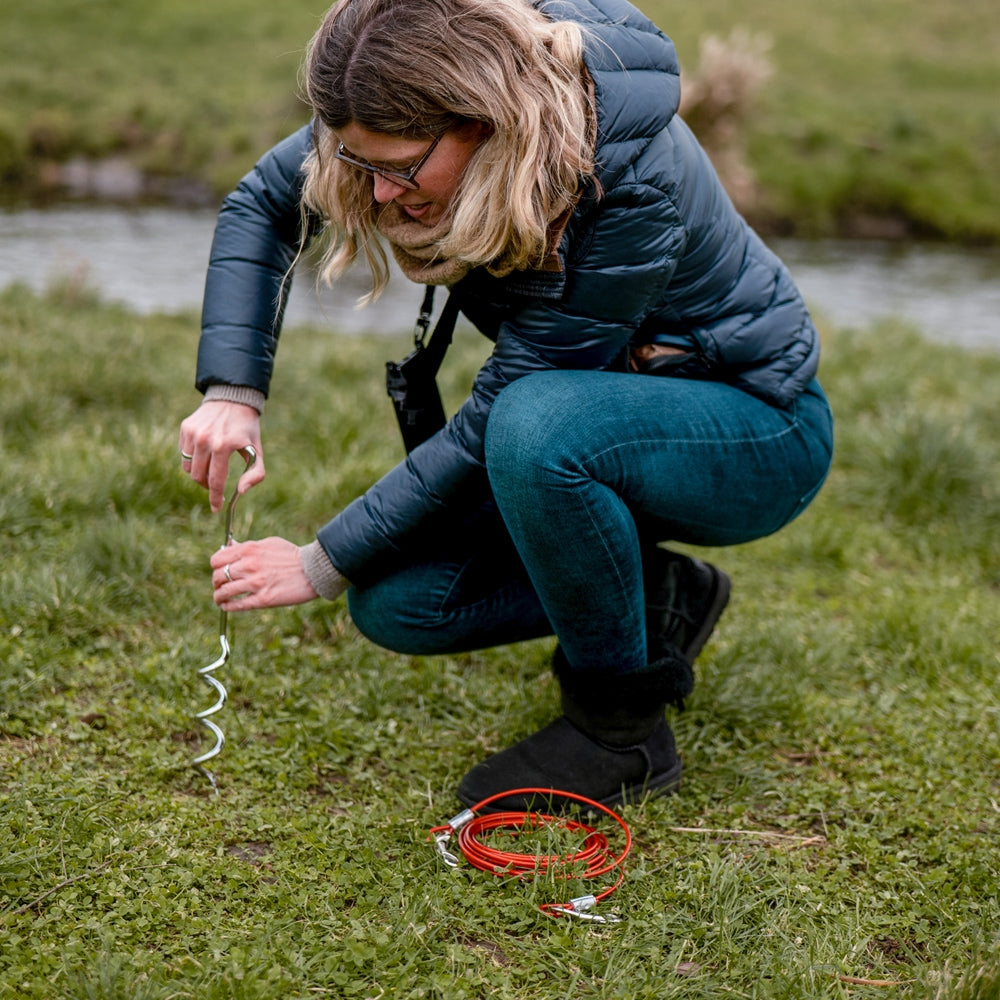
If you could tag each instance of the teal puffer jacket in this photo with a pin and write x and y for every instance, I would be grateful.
(660, 255)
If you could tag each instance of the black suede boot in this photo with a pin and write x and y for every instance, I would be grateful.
(612, 744)
(684, 599)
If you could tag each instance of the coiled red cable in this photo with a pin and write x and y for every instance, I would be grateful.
(594, 859)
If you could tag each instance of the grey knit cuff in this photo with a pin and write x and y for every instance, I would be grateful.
(235, 394)
(323, 575)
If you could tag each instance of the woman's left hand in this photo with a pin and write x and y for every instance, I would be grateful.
(264, 574)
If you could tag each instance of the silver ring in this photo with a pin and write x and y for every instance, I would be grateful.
(186, 457)
(228, 577)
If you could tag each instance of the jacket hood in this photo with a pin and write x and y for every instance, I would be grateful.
(618, 40)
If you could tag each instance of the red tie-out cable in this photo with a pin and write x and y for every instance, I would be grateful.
(594, 858)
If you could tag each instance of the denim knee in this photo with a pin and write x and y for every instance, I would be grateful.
(528, 425)
(387, 623)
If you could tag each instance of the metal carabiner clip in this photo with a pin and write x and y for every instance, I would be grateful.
(581, 909)
(594, 918)
(441, 846)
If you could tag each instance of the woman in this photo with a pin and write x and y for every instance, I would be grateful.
(653, 375)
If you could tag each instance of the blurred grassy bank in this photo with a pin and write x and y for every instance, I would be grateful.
(879, 118)
(836, 835)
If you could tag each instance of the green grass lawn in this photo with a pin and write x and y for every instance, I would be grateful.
(839, 825)
(875, 110)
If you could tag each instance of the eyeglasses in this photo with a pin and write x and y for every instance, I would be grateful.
(404, 178)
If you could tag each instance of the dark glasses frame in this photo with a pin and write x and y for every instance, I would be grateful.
(405, 178)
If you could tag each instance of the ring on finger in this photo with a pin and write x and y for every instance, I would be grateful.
(186, 457)
(228, 576)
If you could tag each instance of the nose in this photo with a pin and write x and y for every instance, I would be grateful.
(386, 189)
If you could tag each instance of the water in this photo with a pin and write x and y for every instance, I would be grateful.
(154, 259)
(950, 293)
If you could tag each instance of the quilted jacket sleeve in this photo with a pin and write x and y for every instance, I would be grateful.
(256, 239)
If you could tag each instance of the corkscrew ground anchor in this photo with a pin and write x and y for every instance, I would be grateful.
(207, 673)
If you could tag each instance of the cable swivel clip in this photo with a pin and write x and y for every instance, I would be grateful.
(443, 835)
(441, 845)
(581, 909)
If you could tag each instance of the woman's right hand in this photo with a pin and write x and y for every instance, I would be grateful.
(209, 437)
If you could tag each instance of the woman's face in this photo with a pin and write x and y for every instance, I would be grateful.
(438, 177)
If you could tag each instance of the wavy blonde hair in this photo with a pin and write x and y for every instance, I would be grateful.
(418, 68)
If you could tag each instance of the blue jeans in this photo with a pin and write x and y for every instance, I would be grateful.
(588, 470)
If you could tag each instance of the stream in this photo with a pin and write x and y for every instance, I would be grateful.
(153, 260)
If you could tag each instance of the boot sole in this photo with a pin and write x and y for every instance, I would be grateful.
(664, 784)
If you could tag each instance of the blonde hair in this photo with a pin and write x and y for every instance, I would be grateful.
(418, 68)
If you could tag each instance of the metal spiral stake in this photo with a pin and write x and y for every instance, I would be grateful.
(207, 673)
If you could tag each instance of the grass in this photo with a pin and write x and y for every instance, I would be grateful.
(875, 112)
(883, 112)
(838, 824)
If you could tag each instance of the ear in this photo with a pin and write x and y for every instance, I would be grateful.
(475, 131)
